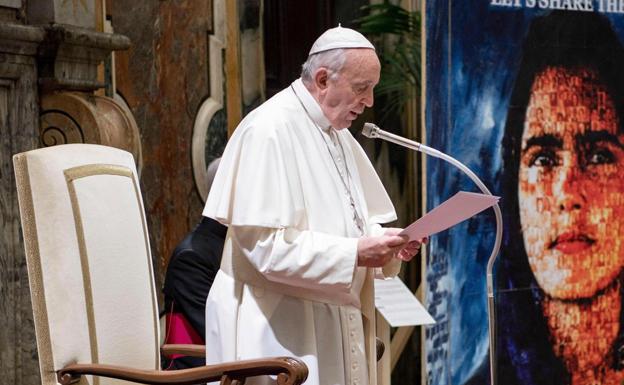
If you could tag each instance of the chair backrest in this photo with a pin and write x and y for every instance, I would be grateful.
(88, 257)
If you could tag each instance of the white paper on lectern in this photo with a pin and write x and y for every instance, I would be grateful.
(397, 304)
(456, 209)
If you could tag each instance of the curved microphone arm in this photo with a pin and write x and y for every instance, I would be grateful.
(370, 130)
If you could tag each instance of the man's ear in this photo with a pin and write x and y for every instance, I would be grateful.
(321, 78)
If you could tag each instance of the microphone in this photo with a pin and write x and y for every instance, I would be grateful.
(371, 130)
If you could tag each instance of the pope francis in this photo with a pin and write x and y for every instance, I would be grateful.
(303, 206)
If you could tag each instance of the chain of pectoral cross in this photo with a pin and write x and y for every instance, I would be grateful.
(345, 181)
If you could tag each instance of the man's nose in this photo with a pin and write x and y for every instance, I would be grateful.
(368, 99)
(569, 189)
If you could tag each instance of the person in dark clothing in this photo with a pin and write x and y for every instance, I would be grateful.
(190, 273)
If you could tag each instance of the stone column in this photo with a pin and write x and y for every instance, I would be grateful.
(19, 115)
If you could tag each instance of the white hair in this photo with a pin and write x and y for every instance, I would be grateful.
(332, 59)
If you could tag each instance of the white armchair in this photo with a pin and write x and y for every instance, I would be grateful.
(91, 276)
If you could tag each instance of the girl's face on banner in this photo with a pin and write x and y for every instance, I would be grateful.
(571, 184)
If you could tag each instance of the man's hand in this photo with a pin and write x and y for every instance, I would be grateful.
(378, 251)
(411, 248)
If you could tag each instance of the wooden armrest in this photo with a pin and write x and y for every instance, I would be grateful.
(186, 350)
(289, 371)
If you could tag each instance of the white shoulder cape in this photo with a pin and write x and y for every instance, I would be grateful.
(275, 171)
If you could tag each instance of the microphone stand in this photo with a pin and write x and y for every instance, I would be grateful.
(370, 130)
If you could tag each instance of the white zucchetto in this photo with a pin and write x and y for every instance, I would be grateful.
(340, 37)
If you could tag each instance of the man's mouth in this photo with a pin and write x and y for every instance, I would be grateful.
(570, 243)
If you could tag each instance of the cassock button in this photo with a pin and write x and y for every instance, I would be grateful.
(354, 366)
(351, 317)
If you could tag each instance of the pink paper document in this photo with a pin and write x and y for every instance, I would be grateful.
(458, 208)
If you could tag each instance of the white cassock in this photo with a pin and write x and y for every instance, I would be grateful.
(289, 283)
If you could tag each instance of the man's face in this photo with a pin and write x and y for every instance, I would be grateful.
(344, 97)
(571, 187)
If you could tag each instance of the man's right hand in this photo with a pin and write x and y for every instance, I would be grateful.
(378, 251)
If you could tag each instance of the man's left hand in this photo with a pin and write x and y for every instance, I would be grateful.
(410, 250)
